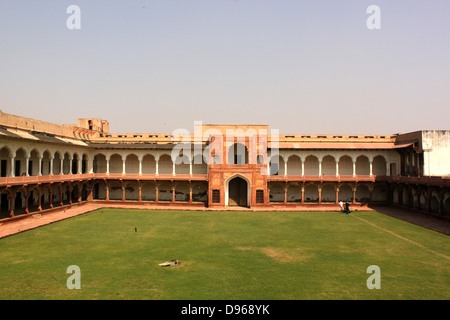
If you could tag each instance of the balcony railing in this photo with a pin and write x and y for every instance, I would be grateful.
(90, 176)
(335, 178)
(10, 181)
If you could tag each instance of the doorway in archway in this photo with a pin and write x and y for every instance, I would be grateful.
(237, 192)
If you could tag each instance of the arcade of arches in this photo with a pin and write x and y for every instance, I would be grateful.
(35, 179)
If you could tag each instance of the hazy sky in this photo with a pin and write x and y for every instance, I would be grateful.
(300, 66)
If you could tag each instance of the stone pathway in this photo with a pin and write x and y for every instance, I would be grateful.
(418, 218)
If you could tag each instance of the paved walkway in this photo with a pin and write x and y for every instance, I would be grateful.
(418, 218)
(36, 220)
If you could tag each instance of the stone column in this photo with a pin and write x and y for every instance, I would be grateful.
(12, 166)
(27, 163)
(51, 197)
(39, 173)
(337, 195)
(107, 192)
(320, 194)
(39, 199)
(303, 194)
(173, 193)
(354, 167)
(79, 165)
(107, 164)
(51, 166)
(11, 204)
(70, 165)
(27, 196)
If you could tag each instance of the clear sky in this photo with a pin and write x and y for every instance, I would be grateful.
(300, 66)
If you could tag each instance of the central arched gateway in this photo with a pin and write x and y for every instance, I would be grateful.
(237, 191)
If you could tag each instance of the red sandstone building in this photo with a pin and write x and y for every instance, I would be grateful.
(45, 166)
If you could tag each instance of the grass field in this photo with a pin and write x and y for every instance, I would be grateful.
(226, 255)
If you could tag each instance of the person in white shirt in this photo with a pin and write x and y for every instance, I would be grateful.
(341, 204)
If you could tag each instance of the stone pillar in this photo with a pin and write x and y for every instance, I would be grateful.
(173, 193)
(27, 196)
(27, 163)
(140, 193)
(51, 166)
(303, 194)
(12, 166)
(354, 167)
(70, 189)
(39, 167)
(320, 195)
(70, 166)
(107, 164)
(190, 193)
(39, 199)
(12, 200)
(107, 192)
(51, 197)
(89, 189)
(354, 195)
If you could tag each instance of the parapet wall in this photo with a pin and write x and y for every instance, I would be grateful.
(27, 124)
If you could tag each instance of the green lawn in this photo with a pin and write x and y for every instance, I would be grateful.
(226, 255)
